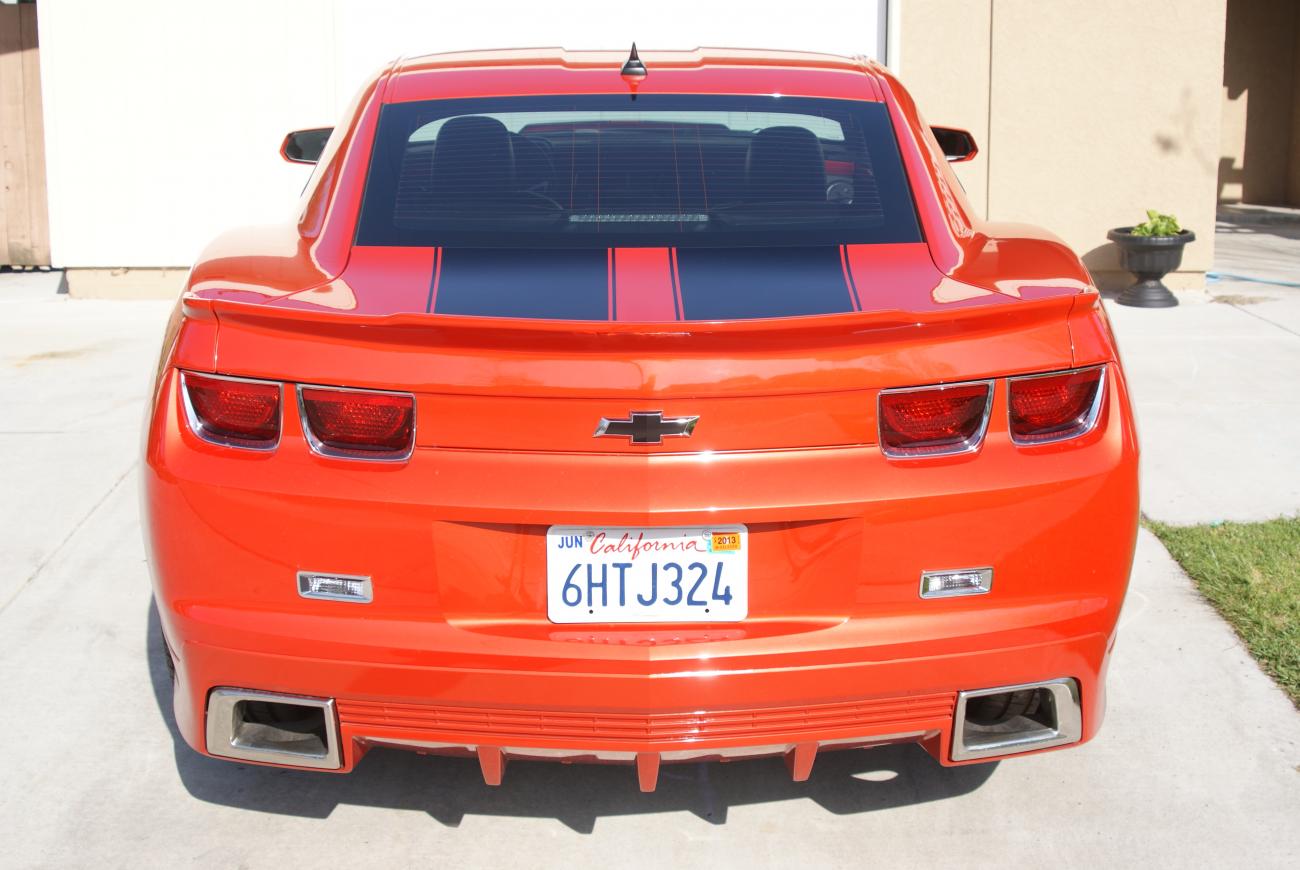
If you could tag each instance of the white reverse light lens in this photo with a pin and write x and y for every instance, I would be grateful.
(946, 584)
(334, 587)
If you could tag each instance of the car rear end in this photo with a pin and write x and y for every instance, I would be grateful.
(657, 435)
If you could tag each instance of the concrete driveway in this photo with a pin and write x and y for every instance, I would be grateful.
(1214, 380)
(1198, 764)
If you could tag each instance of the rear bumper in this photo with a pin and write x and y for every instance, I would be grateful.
(778, 705)
(455, 653)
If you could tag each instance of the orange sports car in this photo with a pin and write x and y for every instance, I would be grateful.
(628, 409)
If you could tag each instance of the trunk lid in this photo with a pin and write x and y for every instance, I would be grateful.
(807, 340)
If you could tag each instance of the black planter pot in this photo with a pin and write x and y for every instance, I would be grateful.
(1150, 258)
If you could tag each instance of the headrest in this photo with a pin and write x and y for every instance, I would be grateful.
(785, 164)
(472, 162)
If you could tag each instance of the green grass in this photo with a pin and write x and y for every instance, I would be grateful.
(1251, 573)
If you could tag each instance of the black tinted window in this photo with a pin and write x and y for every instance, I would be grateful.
(605, 171)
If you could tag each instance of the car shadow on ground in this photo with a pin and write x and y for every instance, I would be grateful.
(448, 789)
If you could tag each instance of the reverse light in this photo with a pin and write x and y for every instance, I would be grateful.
(234, 412)
(334, 587)
(1053, 407)
(934, 421)
(949, 584)
(358, 424)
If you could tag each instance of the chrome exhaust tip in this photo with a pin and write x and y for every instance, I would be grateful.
(274, 729)
(1007, 720)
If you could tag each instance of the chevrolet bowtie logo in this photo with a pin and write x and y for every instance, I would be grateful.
(647, 427)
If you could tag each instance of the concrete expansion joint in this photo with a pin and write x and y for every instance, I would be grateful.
(72, 533)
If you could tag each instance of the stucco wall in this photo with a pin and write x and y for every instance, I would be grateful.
(944, 62)
(1257, 150)
(1094, 111)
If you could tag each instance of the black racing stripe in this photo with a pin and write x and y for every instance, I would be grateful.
(748, 283)
(556, 284)
(848, 273)
(613, 284)
(672, 276)
(433, 279)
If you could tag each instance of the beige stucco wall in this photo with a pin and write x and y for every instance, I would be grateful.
(1093, 112)
(1257, 151)
(944, 62)
(146, 283)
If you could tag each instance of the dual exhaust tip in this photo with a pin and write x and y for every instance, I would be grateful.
(1007, 720)
(275, 729)
(303, 732)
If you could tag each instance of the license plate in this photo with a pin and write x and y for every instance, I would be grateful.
(694, 574)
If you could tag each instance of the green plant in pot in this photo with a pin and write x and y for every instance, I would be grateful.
(1150, 251)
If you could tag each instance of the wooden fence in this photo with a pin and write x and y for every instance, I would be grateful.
(24, 216)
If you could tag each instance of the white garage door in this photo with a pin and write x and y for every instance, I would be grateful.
(163, 119)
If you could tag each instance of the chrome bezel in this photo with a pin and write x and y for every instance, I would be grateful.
(970, 445)
(1069, 722)
(320, 448)
(986, 579)
(688, 423)
(220, 738)
(303, 587)
(1089, 422)
(204, 434)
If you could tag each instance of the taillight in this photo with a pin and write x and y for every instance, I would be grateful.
(232, 411)
(358, 424)
(934, 421)
(1054, 407)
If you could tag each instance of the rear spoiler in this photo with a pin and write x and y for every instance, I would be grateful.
(441, 353)
(995, 311)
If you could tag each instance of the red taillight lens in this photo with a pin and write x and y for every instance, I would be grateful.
(233, 412)
(933, 421)
(358, 423)
(1054, 407)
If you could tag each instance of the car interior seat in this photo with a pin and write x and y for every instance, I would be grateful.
(785, 164)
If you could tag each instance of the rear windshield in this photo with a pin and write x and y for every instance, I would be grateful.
(607, 171)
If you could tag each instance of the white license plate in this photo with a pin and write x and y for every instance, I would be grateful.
(695, 574)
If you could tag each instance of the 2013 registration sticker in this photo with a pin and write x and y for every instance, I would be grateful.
(640, 575)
